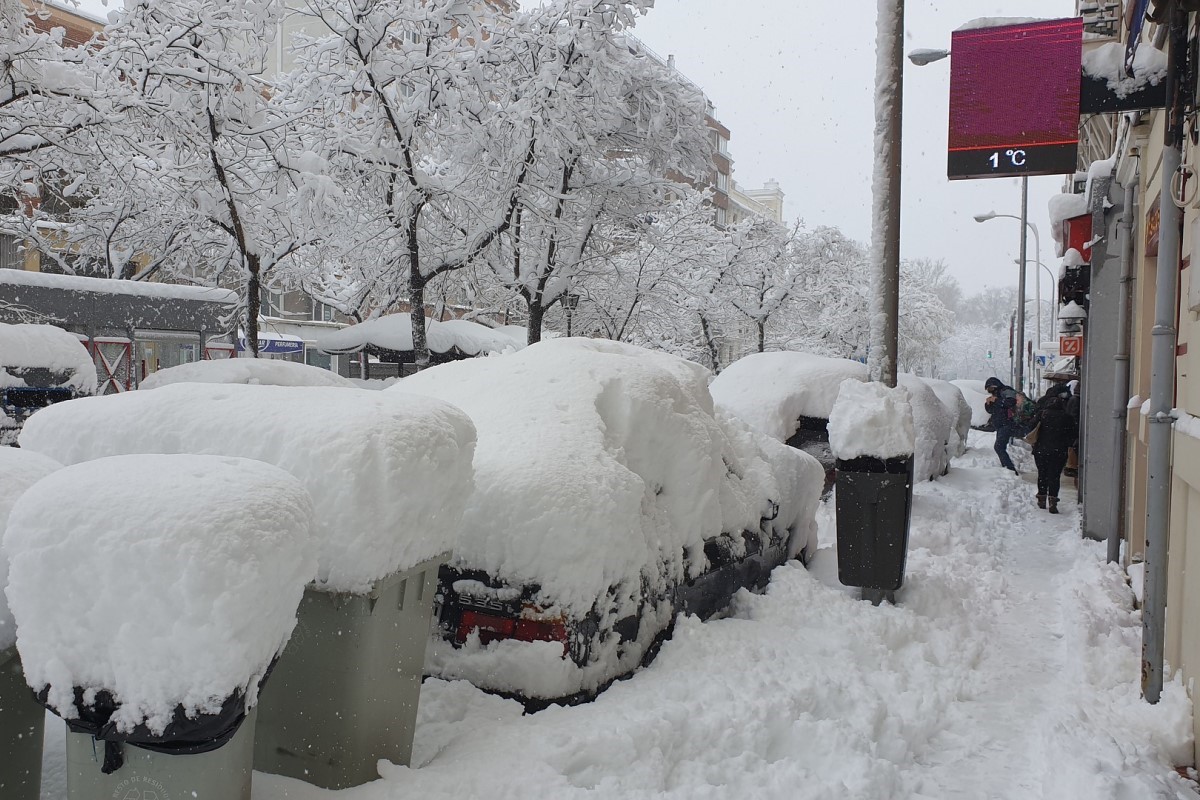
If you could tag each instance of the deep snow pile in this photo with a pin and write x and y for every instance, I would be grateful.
(961, 414)
(976, 397)
(1008, 671)
(1107, 63)
(28, 350)
(19, 469)
(771, 391)
(934, 423)
(267, 371)
(600, 471)
(184, 602)
(388, 474)
(869, 419)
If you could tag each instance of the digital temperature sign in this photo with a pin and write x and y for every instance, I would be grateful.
(1014, 99)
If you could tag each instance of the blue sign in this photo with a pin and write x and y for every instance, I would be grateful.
(274, 346)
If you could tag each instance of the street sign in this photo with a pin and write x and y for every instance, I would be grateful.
(1070, 346)
(1014, 99)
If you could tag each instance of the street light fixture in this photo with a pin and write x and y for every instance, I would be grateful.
(570, 303)
(925, 55)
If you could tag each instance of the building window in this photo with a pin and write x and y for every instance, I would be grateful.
(270, 303)
(722, 181)
(722, 144)
(322, 312)
(721, 216)
(315, 358)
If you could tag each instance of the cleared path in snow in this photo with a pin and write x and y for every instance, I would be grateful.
(1008, 671)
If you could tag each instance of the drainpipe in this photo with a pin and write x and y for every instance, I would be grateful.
(1162, 366)
(1116, 509)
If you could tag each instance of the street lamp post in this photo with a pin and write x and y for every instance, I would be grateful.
(570, 303)
(1025, 223)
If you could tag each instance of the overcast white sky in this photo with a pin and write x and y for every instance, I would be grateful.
(793, 82)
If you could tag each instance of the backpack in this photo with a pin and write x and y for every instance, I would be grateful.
(1022, 412)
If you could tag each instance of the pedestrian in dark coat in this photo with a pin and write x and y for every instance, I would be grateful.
(1056, 433)
(999, 404)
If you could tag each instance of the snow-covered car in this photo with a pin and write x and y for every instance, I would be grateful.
(960, 410)
(609, 495)
(39, 365)
(976, 396)
(934, 424)
(788, 396)
(260, 371)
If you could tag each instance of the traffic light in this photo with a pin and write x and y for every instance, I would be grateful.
(989, 353)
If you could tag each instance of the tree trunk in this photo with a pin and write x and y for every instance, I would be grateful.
(537, 314)
(416, 299)
(253, 291)
(762, 337)
(710, 343)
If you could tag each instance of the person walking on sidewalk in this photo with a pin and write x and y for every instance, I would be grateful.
(999, 404)
(1056, 433)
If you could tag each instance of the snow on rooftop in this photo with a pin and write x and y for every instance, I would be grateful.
(19, 469)
(389, 474)
(45, 347)
(394, 332)
(771, 391)
(164, 291)
(1107, 63)
(869, 419)
(165, 580)
(266, 371)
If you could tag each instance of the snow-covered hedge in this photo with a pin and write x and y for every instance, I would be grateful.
(265, 371)
(389, 474)
(165, 580)
(47, 352)
(771, 391)
(601, 469)
(19, 469)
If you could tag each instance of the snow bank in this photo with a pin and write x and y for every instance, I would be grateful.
(388, 474)
(961, 414)
(394, 332)
(771, 391)
(934, 423)
(975, 395)
(184, 602)
(601, 470)
(19, 469)
(869, 419)
(268, 371)
(27, 350)
(1107, 63)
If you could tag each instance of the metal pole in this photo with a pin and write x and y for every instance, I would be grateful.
(885, 233)
(1116, 507)
(1162, 371)
(1019, 377)
(1037, 304)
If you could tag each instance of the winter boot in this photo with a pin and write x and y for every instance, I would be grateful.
(1053, 501)
(1041, 501)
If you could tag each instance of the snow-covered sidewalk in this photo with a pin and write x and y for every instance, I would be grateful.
(1009, 669)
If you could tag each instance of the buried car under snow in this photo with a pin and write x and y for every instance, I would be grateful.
(39, 365)
(609, 495)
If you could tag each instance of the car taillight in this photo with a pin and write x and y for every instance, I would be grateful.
(539, 630)
(491, 628)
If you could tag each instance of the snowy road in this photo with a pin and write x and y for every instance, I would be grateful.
(1008, 670)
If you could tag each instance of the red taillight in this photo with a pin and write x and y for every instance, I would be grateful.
(490, 627)
(538, 630)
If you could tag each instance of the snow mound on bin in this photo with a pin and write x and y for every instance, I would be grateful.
(771, 391)
(266, 371)
(26, 348)
(388, 474)
(19, 469)
(869, 419)
(600, 464)
(165, 580)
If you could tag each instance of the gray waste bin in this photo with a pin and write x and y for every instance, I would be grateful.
(874, 506)
(221, 774)
(22, 723)
(345, 690)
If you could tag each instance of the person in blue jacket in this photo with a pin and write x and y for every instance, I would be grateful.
(999, 404)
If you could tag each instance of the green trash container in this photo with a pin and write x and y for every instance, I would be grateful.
(221, 774)
(874, 506)
(22, 724)
(344, 692)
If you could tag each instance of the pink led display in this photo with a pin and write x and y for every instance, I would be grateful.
(1014, 99)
